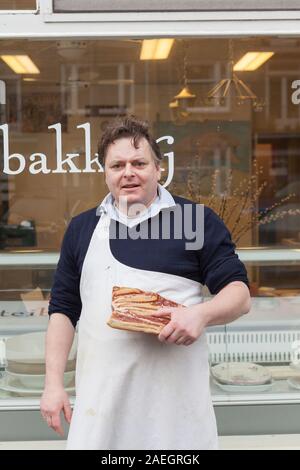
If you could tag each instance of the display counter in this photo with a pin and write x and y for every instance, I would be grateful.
(268, 337)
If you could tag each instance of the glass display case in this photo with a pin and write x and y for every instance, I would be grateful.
(254, 360)
(26, 280)
(238, 156)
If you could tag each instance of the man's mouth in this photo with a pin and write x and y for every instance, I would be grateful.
(129, 186)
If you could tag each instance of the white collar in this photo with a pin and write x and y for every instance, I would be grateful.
(164, 200)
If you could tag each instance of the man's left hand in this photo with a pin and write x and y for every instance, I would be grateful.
(185, 326)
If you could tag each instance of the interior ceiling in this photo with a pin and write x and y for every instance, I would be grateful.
(97, 53)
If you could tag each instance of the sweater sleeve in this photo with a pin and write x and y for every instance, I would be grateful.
(65, 294)
(219, 264)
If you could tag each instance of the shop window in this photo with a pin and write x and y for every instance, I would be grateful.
(235, 149)
(17, 5)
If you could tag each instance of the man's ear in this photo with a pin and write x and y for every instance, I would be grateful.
(159, 173)
(105, 176)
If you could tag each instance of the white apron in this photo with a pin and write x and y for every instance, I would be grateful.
(132, 391)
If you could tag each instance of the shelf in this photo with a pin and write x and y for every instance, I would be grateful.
(11, 403)
(29, 259)
(269, 254)
(280, 393)
(50, 259)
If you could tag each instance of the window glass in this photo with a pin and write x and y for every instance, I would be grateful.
(75, 83)
(171, 5)
(17, 4)
(236, 148)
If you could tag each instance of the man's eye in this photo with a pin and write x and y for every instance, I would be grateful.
(140, 163)
(116, 166)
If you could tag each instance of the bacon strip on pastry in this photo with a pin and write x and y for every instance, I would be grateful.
(133, 309)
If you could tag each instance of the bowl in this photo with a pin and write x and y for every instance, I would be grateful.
(34, 369)
(36, 381)
(25, 353)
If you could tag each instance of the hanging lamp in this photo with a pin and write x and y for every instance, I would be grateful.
(233, 84)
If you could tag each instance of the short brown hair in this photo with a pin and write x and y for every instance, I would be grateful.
(128, 126)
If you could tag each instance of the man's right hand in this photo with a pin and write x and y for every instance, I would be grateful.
(53, 401)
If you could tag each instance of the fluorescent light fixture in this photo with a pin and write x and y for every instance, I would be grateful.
(252, 61)
(2, 92)
(20, 63)
(156, 49)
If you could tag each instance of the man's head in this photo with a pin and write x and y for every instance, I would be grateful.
(131, 158)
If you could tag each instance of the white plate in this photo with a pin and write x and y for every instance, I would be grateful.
(294, 383)
(241, 373)
(244, 388)
(295, 365)
(26, 391)
(294, 300)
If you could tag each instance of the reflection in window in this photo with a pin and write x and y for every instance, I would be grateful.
(239, 158)
(79, 85)
(18, 5)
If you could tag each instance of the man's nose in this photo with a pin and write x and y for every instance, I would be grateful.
(128, 170)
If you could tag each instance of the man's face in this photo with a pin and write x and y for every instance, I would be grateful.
(131, 172)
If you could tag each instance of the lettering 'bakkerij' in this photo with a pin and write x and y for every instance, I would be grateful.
(38, 163)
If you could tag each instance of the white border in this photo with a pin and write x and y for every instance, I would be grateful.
(14, 26)
(180, 16)
(46, 9)
(43, 23)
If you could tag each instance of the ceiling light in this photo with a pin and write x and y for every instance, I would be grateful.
(71, 50)
(252, 61)
(156, 49)
(20, 63)
(233, 86)
(185, 98)
(2, 92)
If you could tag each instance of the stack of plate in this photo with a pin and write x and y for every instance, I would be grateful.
(294, 382)
(25, 373)
(241, 377)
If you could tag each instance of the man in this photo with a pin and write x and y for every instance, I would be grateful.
(137, 390)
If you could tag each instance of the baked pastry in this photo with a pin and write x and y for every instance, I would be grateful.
(133, 308)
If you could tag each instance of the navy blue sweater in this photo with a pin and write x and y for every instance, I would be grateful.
(215, 264)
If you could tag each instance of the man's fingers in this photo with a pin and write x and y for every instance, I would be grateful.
(54, 420)
(181, 340)
(67, 412)
(56, 424)
(174, 337)
(188, 342)
(165, 332)
(162, 312)
(171, 334)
